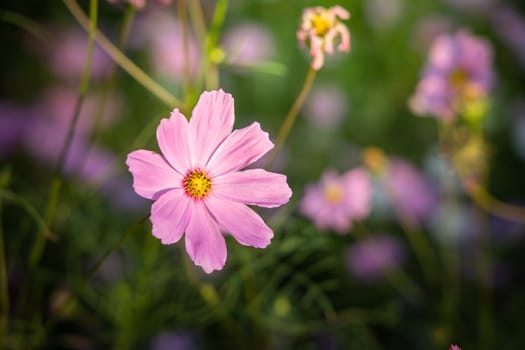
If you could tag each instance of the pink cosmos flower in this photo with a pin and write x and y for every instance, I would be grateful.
(197, 184)
(454, 347)
(336, 200)
(373, 257)
(459, 69)
(320, 29)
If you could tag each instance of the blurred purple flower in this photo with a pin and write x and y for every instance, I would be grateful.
(181, 340)
(140, 4)
(454, 347)
(326, 106)
(337, 200)
(476, 7)
(509, 25)
(459, 69)
(67, 56)
(411, 193)
(13, 121)
(371, 258)
(248, 43)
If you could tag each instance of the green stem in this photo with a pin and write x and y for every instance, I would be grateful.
(4, 290)
(125, 63)
(197, 18)
(38, 248)
(183, 18)
(290, 118)
(210, 69)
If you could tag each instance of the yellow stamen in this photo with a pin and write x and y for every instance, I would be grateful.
(321, 24)
(458, 78)
(333, 193)
(197, 184)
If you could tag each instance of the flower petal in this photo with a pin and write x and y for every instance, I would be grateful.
(243, 147)
(246, 226)
(204, 242)
(211, 122)
(152, 175)
(172, 136)
(170, 215)
(253, 187)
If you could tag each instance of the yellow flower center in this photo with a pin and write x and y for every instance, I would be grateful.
(333, 193)
(321, 24)
(197, 184)
(458, 78)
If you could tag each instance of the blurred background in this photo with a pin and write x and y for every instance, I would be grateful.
(98, 279)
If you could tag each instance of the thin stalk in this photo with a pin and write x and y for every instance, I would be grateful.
(4, 290)
(210, 70)
(197, 19)
(290, 118)
(57, 181)
(183, 18)
(125, 63)
(494, 206)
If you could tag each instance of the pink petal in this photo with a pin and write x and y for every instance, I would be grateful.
(152, 175)
(253, 187)
(211, 122)
(243, 147)
(170, 215)
(241, 222)
(172, 136)
(204, 242)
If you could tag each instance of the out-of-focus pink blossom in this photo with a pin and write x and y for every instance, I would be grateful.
(162, 33)
(337, 200)
(197, 184)
(326, 106)
(13, 121)
(411, 193)
(67, 56)
(321, 28)
(180, 340)
(459, 70)
(248, 43)
(509, 25)
(454, 347)
(373, 257)
(140, 4)
(383, 14)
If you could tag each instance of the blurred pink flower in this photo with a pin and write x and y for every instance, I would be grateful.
(326, 106)
(248, 43)
(162, 32)
(371, 258)
(140, 4)
(412, 195)
(320, 29)
(13, 121)
(197, 186)
(454, 347)
(67, 57)
(337, 200)
(459, 69)
(383, 14)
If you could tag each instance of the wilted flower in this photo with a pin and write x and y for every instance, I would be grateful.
(373, 257)
(197, 186)
(459, 71)
(320, 29)
(326, 106)
(337, 200)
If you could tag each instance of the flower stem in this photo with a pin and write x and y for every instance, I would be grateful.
(4, 290)
(289, 120)
(183, 18)
(121, 59)
(494, 206)
(57, 181)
